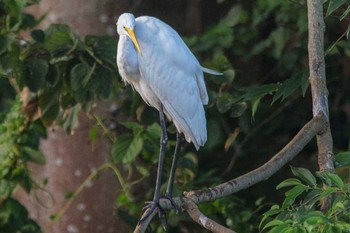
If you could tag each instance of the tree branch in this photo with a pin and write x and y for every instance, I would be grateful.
(201, 219)
(318, 84)
(310, 130)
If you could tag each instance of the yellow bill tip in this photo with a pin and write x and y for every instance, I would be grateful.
(134, 39)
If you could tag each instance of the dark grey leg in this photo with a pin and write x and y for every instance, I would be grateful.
(151, 206)
(169, 189)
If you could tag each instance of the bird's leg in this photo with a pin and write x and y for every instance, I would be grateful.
(153, 205)
(169, 190)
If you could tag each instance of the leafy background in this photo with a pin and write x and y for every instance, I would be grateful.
(255, 108)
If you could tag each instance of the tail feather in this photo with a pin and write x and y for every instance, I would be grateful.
(210, 71)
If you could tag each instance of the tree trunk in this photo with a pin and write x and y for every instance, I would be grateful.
(71, 158)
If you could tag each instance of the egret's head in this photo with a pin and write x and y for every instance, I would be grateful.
(126, 26)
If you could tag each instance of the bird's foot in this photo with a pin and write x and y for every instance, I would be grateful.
(169, 197)
(150, 208)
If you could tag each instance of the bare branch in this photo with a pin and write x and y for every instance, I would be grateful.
(312, 128)
(201, 219)
(318, 81)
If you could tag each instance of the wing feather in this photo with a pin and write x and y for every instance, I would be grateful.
(174, 75)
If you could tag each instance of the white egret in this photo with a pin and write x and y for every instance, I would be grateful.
(154, 59)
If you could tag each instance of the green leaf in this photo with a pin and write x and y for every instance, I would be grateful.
(126, 148)
(154, 131)
(6, 189)
(38, 35)
(342, 159)
(134, 126)
(15, 6)
(288, 182)
(34, 155)
(224, 102)
(304, 83)
(255, 106)
(49, 106)
(93, 134)
(286, 89)
(78, 75)
(273, 223)
(229, 76)
(58, 40)
(238, 109)
(332, 179)
(283, 228)
(144, 171)
(304, 174)
(334, 5)
(327, 191)
(36, 71)
(5, 42)
(312, 197)
(103, 48)
(275, 209)
(292, 194)
(233, 16)
(72, 120)
(254, 93)
(345, 13)
(314, 220)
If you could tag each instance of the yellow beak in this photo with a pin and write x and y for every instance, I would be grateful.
(134, 40)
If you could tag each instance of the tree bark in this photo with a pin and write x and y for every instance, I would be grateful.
(318, 85)
(318, 81)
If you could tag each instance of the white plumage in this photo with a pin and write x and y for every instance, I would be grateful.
(157, 63)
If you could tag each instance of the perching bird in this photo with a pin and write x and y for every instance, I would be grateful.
(154, 59)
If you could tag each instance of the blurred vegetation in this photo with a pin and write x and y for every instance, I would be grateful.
(261, 101)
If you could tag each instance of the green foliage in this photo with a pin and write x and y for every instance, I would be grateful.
(299, 211)
(44, 79)
(18, 145)
(260, 47)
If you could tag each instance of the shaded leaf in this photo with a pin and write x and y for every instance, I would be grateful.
(58, 39)
(334, 5)
(238, 109)
(78, 74)
(154, 131)
(126, 148)
(287, 88)
(34, 155)
(332, 179)
(15, 6)
(342, 159)
(258, 92)
(38, 35)
(255, 106)
(345, 13)
(224, 102)
(36, 71)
